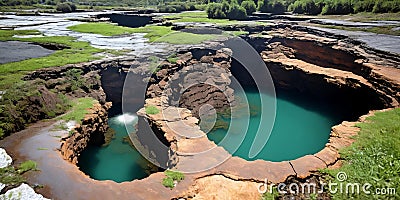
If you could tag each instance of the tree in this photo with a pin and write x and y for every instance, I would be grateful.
(249, 6)
(236, 12)
(66, 7)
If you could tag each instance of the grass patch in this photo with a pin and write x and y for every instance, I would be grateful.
(107, 29)
(13, 177)
(172, 58)
(151, 110)
(42, 149)
(200, 17)
(79, 109)
(27, 166)
(186, 38)
(11, 73)
(171, 178)
(374, 157)
(102, 28)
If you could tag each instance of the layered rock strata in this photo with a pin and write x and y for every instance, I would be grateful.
(91, 130)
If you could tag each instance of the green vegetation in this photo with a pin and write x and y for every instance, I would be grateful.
(226, 10)
(23, 103)
(200, 17)
(27, 166)
(276, 7)
(152, 110)
(74, 52)
(73, 77)
(79, 109)
(12, 177)
(374, 157)
(106, 29)
(340, 7)
(66, 7)
(171, 178)
(249, 6)
(172, 58)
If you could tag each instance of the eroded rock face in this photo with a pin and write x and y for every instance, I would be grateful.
(328, 67)
(199, 77)
(90, 131)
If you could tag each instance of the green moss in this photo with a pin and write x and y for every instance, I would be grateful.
(171, 177)
(374, 157)
(168, 182)
(152, 110)
(10, 177)
(79, 109)
(27, 166)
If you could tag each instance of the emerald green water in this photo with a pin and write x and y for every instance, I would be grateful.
(302, 126)
(118, 161)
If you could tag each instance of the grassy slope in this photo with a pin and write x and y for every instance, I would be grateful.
(79, 108)
(374, 157)
(10, 73)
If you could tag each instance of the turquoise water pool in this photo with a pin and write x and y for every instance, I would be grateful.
(302, 126)
(118, 161)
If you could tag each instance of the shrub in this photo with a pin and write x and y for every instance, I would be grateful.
(306, 7)
(214, 10)
(168, 182)
(171, 177)
(74, 77)
(337, 8)
(275, 7)
(364, 6)
(152, 110)
(249, 6)
(66, 7)
(63, 7)
(236, 12)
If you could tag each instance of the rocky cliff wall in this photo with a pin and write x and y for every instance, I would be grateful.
(91, 130)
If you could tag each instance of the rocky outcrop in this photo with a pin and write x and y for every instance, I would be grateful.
(5, 159)
(22, 192)
(319, 65)
(91, 130)
(199, 77)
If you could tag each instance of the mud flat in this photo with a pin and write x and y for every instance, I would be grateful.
(13, 51)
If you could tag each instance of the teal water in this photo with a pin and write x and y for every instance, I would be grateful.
(118, 161)
(302, 126)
